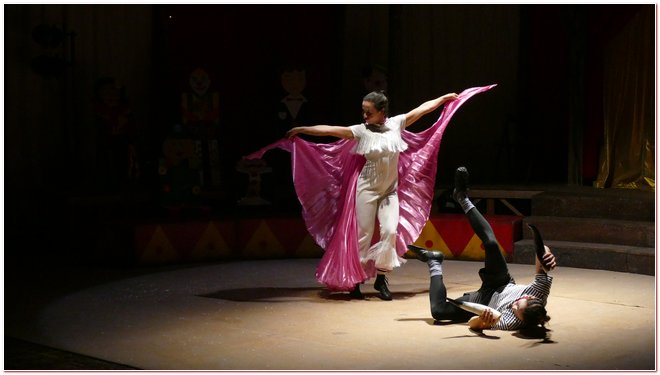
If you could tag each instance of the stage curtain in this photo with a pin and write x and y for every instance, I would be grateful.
(430, 50)
(628, 149)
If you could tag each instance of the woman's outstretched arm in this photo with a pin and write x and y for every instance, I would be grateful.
(321, 130)
(427, 107)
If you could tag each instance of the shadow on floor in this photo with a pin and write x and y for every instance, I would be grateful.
(270, 294)
(23, 355)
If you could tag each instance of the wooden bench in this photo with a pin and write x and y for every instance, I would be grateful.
(492, 194)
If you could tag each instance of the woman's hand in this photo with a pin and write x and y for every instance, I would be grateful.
(449, 97)
(293, 132)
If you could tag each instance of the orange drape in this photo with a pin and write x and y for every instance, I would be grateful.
(628, 149)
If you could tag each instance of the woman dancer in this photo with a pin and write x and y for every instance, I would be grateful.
(380, 142)
(377, 169)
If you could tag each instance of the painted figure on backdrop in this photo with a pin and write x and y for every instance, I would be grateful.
(290, 108)
(180, 171)
(200, 112)
(293, 108)
(200, 107)
(117, 155)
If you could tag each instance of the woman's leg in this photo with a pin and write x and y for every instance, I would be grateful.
(366, 206)
(388, 218)
(384, 253)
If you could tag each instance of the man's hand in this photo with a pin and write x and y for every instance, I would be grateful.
(488, 317)
(549, 260)
(485, 320)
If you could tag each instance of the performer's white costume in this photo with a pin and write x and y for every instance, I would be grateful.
(377, 190)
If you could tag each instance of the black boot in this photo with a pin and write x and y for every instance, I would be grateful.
(355, 293)
(381, 286)
(461, 177)
(424, 255)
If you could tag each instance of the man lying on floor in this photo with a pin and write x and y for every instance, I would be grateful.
(510, 306)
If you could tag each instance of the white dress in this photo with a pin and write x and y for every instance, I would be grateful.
(376, 194)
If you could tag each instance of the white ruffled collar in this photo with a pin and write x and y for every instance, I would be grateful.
(379, 139)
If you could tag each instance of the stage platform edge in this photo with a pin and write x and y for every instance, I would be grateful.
(273, 238)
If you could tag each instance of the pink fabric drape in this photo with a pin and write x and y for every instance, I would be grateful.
(325, 177)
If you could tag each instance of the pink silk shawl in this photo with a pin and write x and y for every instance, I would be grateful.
(325, 177)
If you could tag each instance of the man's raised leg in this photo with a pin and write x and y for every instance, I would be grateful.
(494, 263)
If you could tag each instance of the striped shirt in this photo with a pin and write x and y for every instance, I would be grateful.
(502, 301)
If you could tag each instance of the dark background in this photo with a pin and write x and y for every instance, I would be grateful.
(546, 59)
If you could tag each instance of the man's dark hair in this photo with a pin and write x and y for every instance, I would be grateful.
(535, 314)
(534, 319)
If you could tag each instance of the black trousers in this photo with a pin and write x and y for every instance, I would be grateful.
(494, 276)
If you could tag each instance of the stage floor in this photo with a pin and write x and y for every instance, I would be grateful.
(272, 315)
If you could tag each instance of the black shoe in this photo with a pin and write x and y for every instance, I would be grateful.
(539, 246)
(424, 255)
(461, 177)
(381, 286)
(355, 293)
